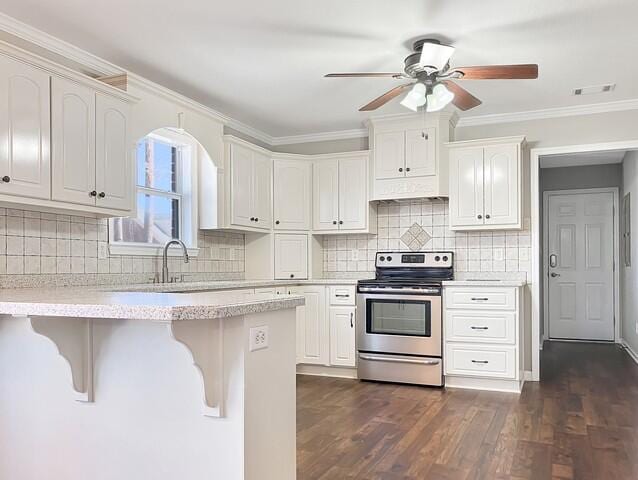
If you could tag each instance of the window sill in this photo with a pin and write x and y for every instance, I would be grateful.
(149, 251)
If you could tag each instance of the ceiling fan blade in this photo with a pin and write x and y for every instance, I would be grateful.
(499, 72)
(463, 99)
(385, 98)
(363, 74)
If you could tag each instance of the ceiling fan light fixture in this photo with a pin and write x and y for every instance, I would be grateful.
(439, 98)
(435, 56)
(415, 98)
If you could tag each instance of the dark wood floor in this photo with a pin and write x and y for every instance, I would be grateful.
(579, 422)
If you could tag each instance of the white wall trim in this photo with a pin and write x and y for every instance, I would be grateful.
(320, 137)
(558, 112)
(615, 191)
(535, 155)
(629, 350)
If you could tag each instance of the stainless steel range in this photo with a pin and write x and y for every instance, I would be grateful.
(399, 336)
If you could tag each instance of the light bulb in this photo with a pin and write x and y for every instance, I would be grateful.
(415, 98)
(439, 98)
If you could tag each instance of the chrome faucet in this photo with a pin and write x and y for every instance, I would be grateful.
(174, 241)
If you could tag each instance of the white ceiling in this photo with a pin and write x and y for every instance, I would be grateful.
(262, 62)
(582, 159)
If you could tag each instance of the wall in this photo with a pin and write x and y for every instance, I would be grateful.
(630, 274)
(40, 248)
(475, 252)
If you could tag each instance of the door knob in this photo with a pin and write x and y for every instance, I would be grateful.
(554, 274)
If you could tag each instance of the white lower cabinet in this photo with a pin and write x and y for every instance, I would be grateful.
(312, 327)
(483, 337)
(342, 336)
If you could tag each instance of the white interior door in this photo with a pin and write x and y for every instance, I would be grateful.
(580, 260)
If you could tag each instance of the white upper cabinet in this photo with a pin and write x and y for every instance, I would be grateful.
(340, 194)
(291, 256)
(409, 161)
(113, 167)
(326, 195)
(420, 152)
(292, 194)
(73, 142)
(389, 154)
(486, 183)
(24, 130)
(250, 187)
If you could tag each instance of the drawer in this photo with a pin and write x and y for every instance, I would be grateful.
(488, 298)
(480, 326)
(342, 295)
(481, 361)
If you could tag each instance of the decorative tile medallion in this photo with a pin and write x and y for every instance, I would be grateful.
(415, 237)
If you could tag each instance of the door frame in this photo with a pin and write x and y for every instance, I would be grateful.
(535, 155)
(615, 191)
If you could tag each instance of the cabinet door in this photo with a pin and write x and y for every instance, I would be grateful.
(420, 152)
(389, 155)
(262, 191)
(114, 178)
(312, 326)
(291, 256)
(241, 174)
(502, 185)
(24, 130)
(342, 336)
(466, 187)
(73, 140)
(353, 193)
(325, 211)
(292, 194)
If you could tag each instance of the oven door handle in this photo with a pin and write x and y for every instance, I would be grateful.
(398, 360)
(398, 291)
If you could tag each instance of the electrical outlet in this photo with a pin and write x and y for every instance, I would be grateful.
(354, 255)
(258, 338)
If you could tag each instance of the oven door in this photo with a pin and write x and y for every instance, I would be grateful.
(400, 324)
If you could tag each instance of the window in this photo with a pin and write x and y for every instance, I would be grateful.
(164, 161)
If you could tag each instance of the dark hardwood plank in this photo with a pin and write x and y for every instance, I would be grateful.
(579, 422)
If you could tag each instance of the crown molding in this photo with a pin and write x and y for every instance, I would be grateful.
(320, 137)
(251, 131)
(55, 45)
(558, 112)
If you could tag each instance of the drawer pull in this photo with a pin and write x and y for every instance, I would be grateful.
(342, 295)
(479, 328)
(480, 299)
(480, 362)
(398, 360)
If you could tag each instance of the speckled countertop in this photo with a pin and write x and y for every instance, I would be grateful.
(225, 285)
(93, 303)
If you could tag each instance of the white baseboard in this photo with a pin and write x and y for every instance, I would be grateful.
(528, 376)
(629, 350)
(495, 385)
(323, 371)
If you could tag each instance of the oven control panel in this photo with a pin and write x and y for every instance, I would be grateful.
(414, 259)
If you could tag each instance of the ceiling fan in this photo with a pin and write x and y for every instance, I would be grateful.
(432, 86)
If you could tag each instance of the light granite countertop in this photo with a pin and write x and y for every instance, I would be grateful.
(93, 303)
(484, 283)
(225, 285)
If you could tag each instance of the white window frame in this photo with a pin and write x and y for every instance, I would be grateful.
(186, 193)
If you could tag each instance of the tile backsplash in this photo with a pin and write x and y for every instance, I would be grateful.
(484, 252)
(39, 249)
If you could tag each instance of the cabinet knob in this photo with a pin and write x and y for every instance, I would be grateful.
(400, 169)
(252, 219)
(6, 179)
(340, 222)
(92, 193)
(424, 135)
(479, 216)
(256, 219)
(487, 217)
(101, 194)
(334, 222)
(407, 169)
(276, 222)
(292, 275)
